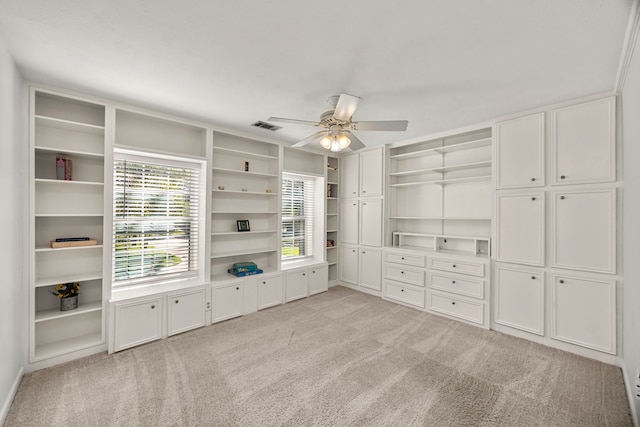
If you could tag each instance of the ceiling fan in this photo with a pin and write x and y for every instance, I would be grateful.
(338, 125)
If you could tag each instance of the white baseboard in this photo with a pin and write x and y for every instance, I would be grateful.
(630, 385)
(10, 396)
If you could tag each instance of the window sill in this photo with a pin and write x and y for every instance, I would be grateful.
(290, 265)
(154, 289)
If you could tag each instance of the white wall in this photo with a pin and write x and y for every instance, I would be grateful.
(631, 221)
(14, 214)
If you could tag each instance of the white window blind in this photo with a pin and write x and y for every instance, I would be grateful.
(155, 219)
(297, 216)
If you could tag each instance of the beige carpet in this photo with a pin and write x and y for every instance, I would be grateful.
(335, 359)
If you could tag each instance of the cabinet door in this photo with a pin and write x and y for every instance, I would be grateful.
(371, 222)
(584, 312)
(349, 175)
(520, 152)
(349, 221)
(318, 279)
(227, 301)
(584, 230)
(371, 172)
(520, 228)
(371, 268)
(296, 284)
(269, 291)
(349, 264)
(583, 139)
(186, 311)
(138, 323)
(519, 298)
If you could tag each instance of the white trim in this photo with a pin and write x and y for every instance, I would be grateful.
(628, 46)
(12, 394)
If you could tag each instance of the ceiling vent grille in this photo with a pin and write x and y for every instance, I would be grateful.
(265, 125)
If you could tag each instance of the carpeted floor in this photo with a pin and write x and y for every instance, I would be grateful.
(335, 359)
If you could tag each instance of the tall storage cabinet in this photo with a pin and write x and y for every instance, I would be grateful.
(70, 128)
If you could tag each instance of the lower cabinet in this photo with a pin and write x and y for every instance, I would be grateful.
(305, 281)
(349, 264)
(186, 311)
(370, 266)
(318, 279)
(137, 322)
(519, 298)
(269, 291)
(227, 301)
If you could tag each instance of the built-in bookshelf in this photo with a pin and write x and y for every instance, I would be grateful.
(245, 186)
(440, 194)
(73, 129)
(332, 220)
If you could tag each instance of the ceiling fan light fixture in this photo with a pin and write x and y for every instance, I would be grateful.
(326, 141)
(343, 140)
(335, 146)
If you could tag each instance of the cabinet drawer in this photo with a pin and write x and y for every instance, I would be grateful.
(414, 277)
(466, 286)
(467, 310)
(406, 294)
(416, 260)
(464, 267)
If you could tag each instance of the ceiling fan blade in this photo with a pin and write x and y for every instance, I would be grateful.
(309, 139)
(386, 125)
(292, 121)
(346, 106)
(356, 144)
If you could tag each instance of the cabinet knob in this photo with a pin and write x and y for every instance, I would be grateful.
(562, 197)
(364, 204)
(403, 258)
(264, 283)
(363, 252)
(177, 301)
(533, 277)
(533, 198)
(401, 290)
(453, 303)
(364, 191)
(237, 288)
(402, 272)
(304, 274)
(153, 306)
(353, 250)
(533, 179)
(453, 281)
(313, 271)
(561, 281)
(454, 266)
(562, 177)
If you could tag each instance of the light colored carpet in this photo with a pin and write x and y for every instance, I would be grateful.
(335, 359)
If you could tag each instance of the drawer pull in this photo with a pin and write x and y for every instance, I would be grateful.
(453, 281)
(533, 179)
(454, 266)
(401, 290)
(402, 258)
(237, 288)
(177, 301)
(153, 306)
(402, 272)
(453, 303)
(561, 281)
(562, 197)
(562, 177)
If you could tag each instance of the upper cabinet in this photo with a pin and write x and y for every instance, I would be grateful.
(520, 152)
(361, 174)
(520, 228)
(583, 142)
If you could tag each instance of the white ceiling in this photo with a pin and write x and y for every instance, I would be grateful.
(439, 64)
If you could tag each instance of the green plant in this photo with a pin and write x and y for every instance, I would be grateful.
(67, 290)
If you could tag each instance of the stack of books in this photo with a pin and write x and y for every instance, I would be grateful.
(70, 242)
(241, 269)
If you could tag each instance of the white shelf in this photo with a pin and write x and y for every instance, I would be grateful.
(66, 346)
(65, 182)
(80, 277)
(332, 231)
(444, 169)
(68, 125)
(75, 153)
(249, 193)
(332, 263)
(332, 183)
(332, 214)
(244, 252)
(239, 233)
(444, 149)
(244, 153)
(332, 198)
(42, 316)
(72, 248)
(445, 181)
(424, 218)
(245, 212)
(330, 247)
(242, 172)
(66, 215)
(225, 277)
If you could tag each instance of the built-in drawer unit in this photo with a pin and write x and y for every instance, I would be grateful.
(472, 311)
(403, 274)
(467, 286)
(406, 259)
(405, 293)
(464, 267)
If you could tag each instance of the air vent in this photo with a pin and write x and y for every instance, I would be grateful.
(265, 125)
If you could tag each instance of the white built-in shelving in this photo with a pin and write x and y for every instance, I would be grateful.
(73, 128)
(332, 219)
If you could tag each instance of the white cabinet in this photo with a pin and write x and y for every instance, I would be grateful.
(404, 277)
(584, 311)
(137, 322)
(371, 222)
(296, 284)
(349, 264)
(349, 220)
(371, 172)
(318, 281)
(519, 298)
(349, 175)
(332, 218)
(520, 152)
(583, 142)
(584, 230)
(370, 263)
(520, 231)
(186, 311)
(227, 301)
(269, 291)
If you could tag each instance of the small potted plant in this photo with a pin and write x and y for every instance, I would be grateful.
(68, 294)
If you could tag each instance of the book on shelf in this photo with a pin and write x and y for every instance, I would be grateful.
(243, 273)
(64, 168)
(72, 239)
(249, 265)
(74, 243)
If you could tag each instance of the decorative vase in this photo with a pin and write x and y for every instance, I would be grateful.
(70, 303)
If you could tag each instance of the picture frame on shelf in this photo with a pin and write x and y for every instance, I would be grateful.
(243, 225)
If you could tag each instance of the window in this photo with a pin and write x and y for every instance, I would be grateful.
(298, 194)
(156, 215)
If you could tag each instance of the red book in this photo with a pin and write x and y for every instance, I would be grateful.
(67, 169)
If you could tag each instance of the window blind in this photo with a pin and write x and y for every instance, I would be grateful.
(155, 220)
(297, 216)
